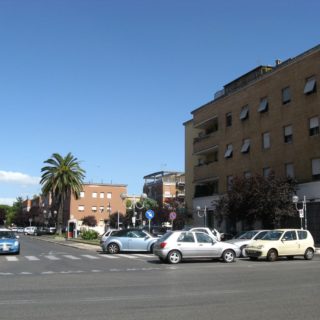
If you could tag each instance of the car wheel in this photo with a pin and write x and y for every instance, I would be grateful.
(174, 257)
(228, 256)
(113, 248)
(243, 251)
(308, 255)
(272, 255)
(151, 248)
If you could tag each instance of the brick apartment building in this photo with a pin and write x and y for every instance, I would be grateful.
(267, 119)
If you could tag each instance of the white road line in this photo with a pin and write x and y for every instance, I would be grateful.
(25, 273)
(71, 257)
(127, 256)
(32, 258)
(144, 255)
(109, 256)
(12, 258)
(52, 257)
(90, 257)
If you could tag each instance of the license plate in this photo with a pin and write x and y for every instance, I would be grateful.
(5, 248)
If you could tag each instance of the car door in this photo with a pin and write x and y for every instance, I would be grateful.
(187, 245)
(138, 240)
(288, 244)
(205, 245)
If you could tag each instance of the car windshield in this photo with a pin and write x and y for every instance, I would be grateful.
(7, 234)
(273, 235)
(248, 235)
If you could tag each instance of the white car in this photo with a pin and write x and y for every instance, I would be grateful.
(31, 231)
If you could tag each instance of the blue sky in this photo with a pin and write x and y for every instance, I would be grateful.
(113, 81)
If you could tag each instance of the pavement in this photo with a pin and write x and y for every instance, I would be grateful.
(89, 246)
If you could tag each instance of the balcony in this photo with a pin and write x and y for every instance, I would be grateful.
(205, 144)
(205, 171)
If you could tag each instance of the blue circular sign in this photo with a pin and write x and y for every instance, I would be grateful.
(149, 214)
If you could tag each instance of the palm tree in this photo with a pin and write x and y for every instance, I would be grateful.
(61, 178)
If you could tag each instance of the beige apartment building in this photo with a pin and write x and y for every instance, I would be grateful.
(267, 119)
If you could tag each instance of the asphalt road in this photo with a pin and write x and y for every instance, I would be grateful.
(51, 281)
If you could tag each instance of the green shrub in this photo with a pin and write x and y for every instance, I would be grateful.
(89, 235)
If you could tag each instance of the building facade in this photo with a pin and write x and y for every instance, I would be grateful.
(266, 120)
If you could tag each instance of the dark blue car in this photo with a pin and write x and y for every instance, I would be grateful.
(9, 242)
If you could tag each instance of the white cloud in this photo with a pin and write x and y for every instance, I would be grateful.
(18, 178)
(7, 201)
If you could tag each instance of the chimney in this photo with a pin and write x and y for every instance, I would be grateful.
(278, 62)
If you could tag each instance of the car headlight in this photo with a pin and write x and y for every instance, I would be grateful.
(260, 247)
(16, 243)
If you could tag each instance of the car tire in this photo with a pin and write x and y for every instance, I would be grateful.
(151, 248)
(113, 248)
(308, 255)
(174, 257)
(228, 256)
(272, 255)
(243, 251)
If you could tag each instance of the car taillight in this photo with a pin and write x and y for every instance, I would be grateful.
(162, 245)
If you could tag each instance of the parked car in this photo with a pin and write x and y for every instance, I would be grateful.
(212, 232)
(129, 240)
(175, 246)
(9, 242)
(244, 239)
(31, 231)
(107, 234)
(282, 242)
(156, 231)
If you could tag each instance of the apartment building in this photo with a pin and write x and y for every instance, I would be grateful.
(98, 200)
(267, 119)
(165, 187)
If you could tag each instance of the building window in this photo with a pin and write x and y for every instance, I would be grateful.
(289, 170)
(101, 209)
(266, 140)
(229, 119)
(81, 194)
(245, 146)
(229, 182)
(316, 169)
(287, 131)
(310, 86)
(244, 113)
(94, 194)
(266, 172)
(101, 195)
(94, 209)
(314, 126)
(81, 208)
(109, 195)
(263, 106)
(228, 153)
(286, 95)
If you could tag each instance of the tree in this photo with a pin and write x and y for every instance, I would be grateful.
(258, 199)
(62, 178)
(90, 221)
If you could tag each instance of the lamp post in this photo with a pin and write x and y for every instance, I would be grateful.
(302, 211)
(134, 205)
(202, 214)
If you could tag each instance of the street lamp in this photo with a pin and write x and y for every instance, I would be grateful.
(202, 214)
(303, 211)
(134, 205)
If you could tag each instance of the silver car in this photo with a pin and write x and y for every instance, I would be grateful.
(175, 246)
(245, 238)
(129, 240)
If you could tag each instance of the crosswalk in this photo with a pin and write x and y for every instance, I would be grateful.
(53, 257)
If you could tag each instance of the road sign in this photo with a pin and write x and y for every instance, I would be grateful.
(172, 215)
(149, 214)
(301, 213)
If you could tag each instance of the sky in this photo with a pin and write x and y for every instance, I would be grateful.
(113, 81)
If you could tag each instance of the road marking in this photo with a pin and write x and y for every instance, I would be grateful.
(109, 256)
(128, 256)
(144, 255)
(25, 273)
(48, 272)
(90, 257)
(32, 258)
(52, 257)
(12, 258)
(6, 274)
(71, 257)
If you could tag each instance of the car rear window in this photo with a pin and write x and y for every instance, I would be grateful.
(302, 234)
